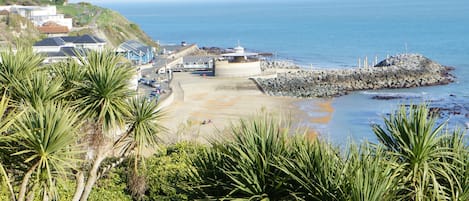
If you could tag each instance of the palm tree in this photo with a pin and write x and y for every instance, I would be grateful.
(102, 96)
(105, 89)
(144, 124)
(143, 127)
(412, 136)
(46, 137)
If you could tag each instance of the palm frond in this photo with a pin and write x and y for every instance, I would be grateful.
(413, 136)
(19, 65)
(105, 89)
(46, 137)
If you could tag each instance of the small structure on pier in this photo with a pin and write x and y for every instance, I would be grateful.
(238, 64)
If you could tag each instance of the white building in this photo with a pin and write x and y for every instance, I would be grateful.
(60, 48)
(238, 64)
(40, 14)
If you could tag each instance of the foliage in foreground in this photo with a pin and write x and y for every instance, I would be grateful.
(415, 159)
(59, 123)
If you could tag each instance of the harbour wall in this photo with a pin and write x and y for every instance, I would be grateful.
(401, 71)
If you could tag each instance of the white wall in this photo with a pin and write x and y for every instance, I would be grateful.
(43, 10)
(46, 48)
(59, 19)
(40, 14)
(93, 46)
(226, 69)
(134, 80)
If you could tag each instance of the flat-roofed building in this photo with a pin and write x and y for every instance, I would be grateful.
(238, 64)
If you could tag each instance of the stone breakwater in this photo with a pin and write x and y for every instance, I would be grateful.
(401, 71)
(282, 64)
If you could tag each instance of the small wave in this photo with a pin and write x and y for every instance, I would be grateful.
(395, 94)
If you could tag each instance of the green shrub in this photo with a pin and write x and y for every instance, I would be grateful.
(111, 187)
(168, 173)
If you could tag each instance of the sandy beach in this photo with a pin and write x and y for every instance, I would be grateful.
(205, 106)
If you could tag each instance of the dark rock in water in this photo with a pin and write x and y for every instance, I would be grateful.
(401, 71)
(381, 97)
(214, 50)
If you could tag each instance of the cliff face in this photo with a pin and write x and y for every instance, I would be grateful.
(402, 71)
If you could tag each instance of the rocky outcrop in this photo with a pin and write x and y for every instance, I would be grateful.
(401, 71)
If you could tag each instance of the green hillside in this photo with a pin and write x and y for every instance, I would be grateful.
(104, 23)
(87, 19)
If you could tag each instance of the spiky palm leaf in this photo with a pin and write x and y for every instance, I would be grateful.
(371, 175)
(415, 139)
(46, 138)
(144, 126)
(252, 158)
(71, 73)
(457, 142)
(105, 89)
(37, 90)
(8, 118)
(208, 176)
(248, 168)
(18, 66)
(317, 170)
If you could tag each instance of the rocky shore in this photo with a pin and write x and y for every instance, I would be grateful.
(401, 71)
(282, 64)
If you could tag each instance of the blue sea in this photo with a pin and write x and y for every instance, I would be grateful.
(328, 34)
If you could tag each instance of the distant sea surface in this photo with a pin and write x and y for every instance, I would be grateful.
(328, 34)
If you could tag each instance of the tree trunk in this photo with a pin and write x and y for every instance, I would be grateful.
(92, 176)
(80, 186)
(24, 184)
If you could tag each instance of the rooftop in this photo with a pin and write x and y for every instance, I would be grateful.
(88, 39)
(4, 12)
(60, 41)
(54, 41)
(239, 52)
(235, 54)
(53, 29)
(196, 59)
(134, 46)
